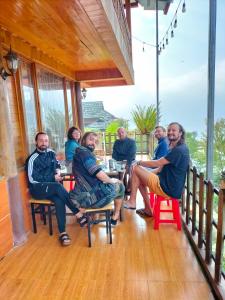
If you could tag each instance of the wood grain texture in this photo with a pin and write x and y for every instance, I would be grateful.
(68, 36)
(140, 264)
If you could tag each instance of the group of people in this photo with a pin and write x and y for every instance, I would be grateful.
(163, 175)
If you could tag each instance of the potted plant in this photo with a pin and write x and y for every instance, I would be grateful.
(222, 180)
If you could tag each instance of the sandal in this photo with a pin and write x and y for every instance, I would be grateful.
(64, 239)
(82, 221)
(143, 213)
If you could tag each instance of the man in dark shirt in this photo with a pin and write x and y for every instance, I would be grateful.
(171, 171)
(43, 174)
(92, 181)
(163, 146)
(124, 148)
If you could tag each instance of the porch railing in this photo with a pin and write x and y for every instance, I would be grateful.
(203, 211)
(145, 143)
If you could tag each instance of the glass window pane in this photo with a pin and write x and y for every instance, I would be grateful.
(52, 107)
(69, 101)
(29, 105)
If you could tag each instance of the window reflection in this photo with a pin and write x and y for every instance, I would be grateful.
(69, 101)
(52, 107)
(29, 105)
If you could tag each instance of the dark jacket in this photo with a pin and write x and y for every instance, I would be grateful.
(41, 167)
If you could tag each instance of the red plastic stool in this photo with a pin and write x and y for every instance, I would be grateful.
(152, 198)
(175, 211)
(72, 182)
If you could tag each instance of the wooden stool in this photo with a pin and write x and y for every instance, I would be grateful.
(106, 210)
(38, 207)
(175, 211)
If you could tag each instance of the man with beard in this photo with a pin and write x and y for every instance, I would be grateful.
(98, 189)
(44, 182)
(168, 178)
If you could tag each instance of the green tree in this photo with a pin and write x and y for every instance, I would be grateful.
(115, 124)
(145, 118)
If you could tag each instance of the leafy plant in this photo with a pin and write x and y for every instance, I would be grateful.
(145, 118)
(222, 175)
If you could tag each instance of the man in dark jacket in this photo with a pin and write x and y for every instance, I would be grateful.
(124, 148)
(44, 182)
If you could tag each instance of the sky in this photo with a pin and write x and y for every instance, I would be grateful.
(183, 67)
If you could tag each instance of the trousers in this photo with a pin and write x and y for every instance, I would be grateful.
(55, 192)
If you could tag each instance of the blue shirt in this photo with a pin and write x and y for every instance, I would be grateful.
(124, 149)
(172, 177)
(70, 147)
(162, 148)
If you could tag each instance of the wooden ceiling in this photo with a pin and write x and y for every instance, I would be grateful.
(73, 37)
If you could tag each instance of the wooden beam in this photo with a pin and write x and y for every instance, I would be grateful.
(106, 83)
(95, 75)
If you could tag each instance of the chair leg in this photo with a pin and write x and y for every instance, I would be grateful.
(42, 212)
(33, 218)
(122, 213)
(177, 212)
(50, 219)
(156, 214)
(89, 230)
(110, 228)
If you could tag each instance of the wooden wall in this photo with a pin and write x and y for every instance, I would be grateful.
(6, 236)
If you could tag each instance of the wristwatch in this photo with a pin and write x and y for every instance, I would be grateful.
(139, 163)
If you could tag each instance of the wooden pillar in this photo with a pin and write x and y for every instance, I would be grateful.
(79, 106)
(128, 15)
(8, 166)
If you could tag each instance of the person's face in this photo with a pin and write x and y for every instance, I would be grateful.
(76, 135)
(173, 133)
(122, 134)
(159, 133)
(91, 142)
(42, 142)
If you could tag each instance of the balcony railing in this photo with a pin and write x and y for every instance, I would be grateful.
(203, 210)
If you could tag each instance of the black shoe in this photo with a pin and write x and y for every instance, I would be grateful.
(114, 222)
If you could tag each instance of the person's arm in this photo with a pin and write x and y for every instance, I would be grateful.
(105, 178)
(159, 163)
(131, 152)
(115, 152)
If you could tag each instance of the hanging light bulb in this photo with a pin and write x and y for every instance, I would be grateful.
(167, 41)
(172, 33)
(163, 46)
(143, 47)
(184, 7)
(175, 23)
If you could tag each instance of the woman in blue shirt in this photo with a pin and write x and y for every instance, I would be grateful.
(73, 141)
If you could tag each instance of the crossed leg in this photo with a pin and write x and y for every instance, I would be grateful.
(139, 180)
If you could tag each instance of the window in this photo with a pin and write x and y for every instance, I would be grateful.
(69, 101)
(29, 104)
(52, 107)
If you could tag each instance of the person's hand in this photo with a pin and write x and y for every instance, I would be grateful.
(114, 180)
(58, 177)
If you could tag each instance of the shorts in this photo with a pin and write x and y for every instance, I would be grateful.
(154, 185)
(115, 191)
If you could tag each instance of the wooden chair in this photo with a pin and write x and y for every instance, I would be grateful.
(39, 207)
(106, 210)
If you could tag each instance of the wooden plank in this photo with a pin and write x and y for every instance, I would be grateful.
(220, 236)
(209, 216)
(201, 207)
(194, 200)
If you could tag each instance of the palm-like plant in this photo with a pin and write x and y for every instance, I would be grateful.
(145, 118)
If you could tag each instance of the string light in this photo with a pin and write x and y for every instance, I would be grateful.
(184, 7)
(172, 33)
(173, 25)
(165, 39)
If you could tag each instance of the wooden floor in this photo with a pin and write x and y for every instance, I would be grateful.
(140, 264)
